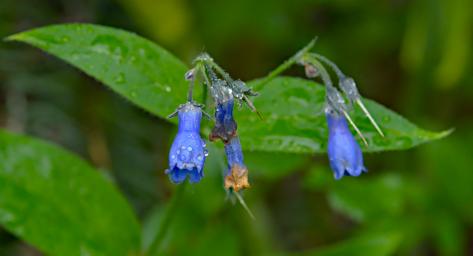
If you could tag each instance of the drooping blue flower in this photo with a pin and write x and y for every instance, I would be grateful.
(187, 155)
(236, 177)
(344, 153)
(225, 126)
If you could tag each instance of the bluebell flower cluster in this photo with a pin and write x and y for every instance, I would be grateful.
(344, 152)
(225, 129)
(188, 152)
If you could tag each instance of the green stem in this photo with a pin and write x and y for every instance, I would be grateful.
(166, 221)
(220, 70)
(288, 63)
(191, 89)
(322, 71)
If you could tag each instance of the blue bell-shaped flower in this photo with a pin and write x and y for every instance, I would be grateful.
(236, 177)
(188, 153)
(344, 153)
(225, 126)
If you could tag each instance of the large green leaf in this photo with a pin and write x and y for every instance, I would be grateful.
(132, 66)
(152, 78)
(294, 121)
(60, 204)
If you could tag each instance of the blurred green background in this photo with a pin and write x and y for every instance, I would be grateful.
(412, 56)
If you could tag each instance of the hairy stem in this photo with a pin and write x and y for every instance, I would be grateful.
(191, 89)
(288, 63)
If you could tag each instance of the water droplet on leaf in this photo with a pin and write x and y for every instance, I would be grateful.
(120, 78)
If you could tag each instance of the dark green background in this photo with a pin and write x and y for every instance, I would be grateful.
(412, 56)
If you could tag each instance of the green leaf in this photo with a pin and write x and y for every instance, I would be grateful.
(58, 203)
(132, 66)
(152, 78)
(294, 121)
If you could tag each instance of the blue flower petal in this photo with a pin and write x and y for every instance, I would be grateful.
(225, 125)
(195, 175)
(177, 175)
(344, 152)
(234, 152)
(188, 153)
(236, 177)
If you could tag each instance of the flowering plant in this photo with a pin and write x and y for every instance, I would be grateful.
(46, 191)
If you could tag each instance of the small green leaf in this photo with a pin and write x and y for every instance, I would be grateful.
(60, 204)
(132, 66)
(294, 121)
